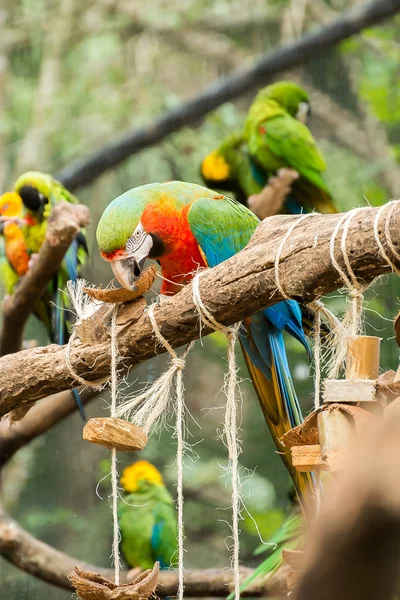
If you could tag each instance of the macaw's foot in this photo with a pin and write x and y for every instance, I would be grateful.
(270, 200)
(133, 573)
(32, 260)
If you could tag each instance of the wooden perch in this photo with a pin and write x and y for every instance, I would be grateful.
(38, 559)
(353, 549)
(235, 289)
(64, 222)
(351, 22)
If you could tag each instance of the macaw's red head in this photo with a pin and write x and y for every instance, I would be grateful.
(126, 238)
(151, 222)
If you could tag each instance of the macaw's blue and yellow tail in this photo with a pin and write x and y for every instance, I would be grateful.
(265, 356)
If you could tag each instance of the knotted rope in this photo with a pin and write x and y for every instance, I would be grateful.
(352, 321)
(114, 472)
(149, 407)
(231, 424)
(316, 306)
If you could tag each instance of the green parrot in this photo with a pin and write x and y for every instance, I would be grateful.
(228, 168)
(274, 137)
(147, 518)
(39, 193)
(277, 137)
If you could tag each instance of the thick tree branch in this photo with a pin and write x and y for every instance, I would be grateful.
(42, 561)
(83, 171)
(234, 290)
(65, 221)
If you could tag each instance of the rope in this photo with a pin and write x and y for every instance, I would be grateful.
(317, 307)
(150, 406)
(114, 472)
(352, 321)
(96, 385)
(280, 248)
(230, 424)
(177, 365)
(388, 239)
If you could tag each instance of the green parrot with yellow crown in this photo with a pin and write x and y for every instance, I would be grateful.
(275, 137)
(146, 518)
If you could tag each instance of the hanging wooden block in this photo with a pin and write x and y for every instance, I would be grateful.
(363, 357)
(92, 586)
(115, 433)
(337, 426)
(308, 458)
(349, 390)
(294, 559)
(335, 432)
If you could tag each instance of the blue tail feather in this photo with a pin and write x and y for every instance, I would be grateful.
(265, 345)
(79, 404)
(61, 332)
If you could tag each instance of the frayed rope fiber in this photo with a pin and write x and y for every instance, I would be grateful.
(150, 406)
(317, 307)
(353, 319)
(231, 425)
(114, 472)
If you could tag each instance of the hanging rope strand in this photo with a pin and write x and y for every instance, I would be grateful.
(114, 472)
(231, 422)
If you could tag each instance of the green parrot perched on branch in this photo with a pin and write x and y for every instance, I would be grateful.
(274, 138)
(24, 214)
(147, 518)
(186, 226)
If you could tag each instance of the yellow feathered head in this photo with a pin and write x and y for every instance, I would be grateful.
(140, 472)
(10, 205)
(215, 168)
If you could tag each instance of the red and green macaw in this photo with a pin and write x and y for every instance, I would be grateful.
(185, 226)
(275, 136)
(24, 213)
(147, 518)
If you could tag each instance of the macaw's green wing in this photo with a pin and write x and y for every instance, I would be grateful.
(289, 139)
(221, 227)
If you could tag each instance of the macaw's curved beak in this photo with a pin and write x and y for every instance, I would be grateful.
(126, 270)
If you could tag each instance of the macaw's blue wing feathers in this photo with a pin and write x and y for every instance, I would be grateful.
(79, 404)
(222, 227)
(71, 260)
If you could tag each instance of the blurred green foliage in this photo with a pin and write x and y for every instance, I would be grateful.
(76, 74)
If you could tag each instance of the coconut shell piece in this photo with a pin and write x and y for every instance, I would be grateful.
(121, 295)
(111, 432)
(92, 586)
